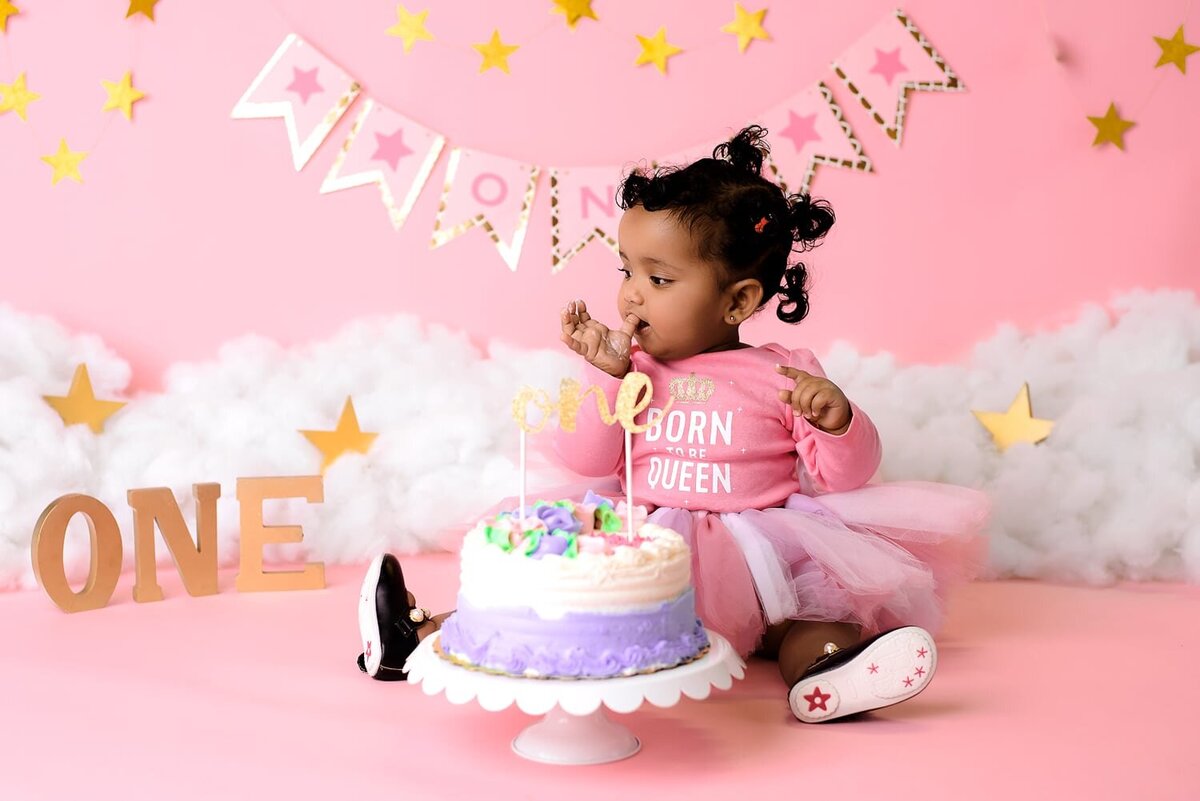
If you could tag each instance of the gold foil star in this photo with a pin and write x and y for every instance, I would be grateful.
(657, 50)
(80, 404)
(15, 97)
(1017, 424)
(7, 10)
(143, 7)
(65, 163)
(1175, 51)
(410, 27)
(747, 26)
(346, 437)
(1111, 128)
(574, 10)
(495, 53)
(122, 95)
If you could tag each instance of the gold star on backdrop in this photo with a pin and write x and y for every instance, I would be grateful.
(65, 163)
(1111, 128)
(122, 95)
(747, 26)
(495, 53)
(346, 437)
(656, 50)
(1175, 51)
(574, 10)
(143, 7)
(410, 27)
(1017, 424)
(80, 404)
(15, 97)
(7, 10)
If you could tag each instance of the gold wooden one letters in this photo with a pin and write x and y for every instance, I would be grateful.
(196, 560)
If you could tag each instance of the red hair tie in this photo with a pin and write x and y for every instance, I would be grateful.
(760, 225)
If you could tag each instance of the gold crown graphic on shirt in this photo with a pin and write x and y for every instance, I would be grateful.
(691, 389)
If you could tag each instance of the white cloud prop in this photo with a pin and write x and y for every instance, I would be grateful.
(1113, 493)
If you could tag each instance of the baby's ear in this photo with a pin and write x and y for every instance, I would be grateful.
(747, 294)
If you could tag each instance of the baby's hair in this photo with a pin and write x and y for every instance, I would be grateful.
(738, 218)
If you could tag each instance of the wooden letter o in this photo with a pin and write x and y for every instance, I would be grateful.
(49, 536)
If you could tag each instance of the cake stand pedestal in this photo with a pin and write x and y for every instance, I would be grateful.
(575, 730)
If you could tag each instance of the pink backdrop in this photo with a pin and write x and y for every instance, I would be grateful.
(192, 228)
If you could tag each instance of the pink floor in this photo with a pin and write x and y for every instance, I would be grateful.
(1042, 691)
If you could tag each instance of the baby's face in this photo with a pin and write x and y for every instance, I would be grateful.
(669, 287)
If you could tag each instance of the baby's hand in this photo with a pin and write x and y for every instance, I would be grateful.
(820, 400)
(601, 346)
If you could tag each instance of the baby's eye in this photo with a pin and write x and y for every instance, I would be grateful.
(654, 279)
(624, 272)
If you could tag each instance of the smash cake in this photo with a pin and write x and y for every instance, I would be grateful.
(563, 592)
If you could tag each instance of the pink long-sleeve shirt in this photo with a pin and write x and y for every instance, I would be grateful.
(728, 443)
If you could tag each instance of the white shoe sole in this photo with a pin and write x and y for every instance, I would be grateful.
(892, 669)
(368, 619)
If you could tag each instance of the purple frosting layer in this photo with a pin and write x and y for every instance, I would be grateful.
(577, 645)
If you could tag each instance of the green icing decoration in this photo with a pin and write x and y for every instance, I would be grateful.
(532, 540)
(499, 538)
(609, 520)
(572, 547)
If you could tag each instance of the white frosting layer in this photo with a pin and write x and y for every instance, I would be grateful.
(656, 571)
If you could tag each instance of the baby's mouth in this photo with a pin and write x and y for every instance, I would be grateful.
(642, 327)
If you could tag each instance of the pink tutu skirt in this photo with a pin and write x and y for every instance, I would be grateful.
(880, 556)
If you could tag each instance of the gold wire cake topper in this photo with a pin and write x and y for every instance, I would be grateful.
(634, 396)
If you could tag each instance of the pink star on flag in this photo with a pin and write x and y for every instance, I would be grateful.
(888, 64)
(390, 148)
(801, 130)
(304, 83)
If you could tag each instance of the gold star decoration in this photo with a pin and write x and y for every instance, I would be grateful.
(7, 10)
(410, 27)
(747, 26)
(1111, 128)
(495, 53)
(122, 95)
(65, 163)
(1175, 51)
(1017, 424)
(15, 96)
(346, 437)
(80, 404)
(656, 50)
(574, 10)
(143, 7)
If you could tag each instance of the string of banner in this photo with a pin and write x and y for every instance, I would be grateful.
(386, 149)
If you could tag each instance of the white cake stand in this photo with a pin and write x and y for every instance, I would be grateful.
(575, 730)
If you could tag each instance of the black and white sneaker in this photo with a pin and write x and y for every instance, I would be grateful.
(387, 622)
(886, 669)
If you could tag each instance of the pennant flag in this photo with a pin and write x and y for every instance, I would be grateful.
(489, 191)
(889, 62)
(583, 207)
(390, 150)
(807, 130)
(306, 89)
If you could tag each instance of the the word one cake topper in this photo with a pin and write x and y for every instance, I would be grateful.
(634, 396)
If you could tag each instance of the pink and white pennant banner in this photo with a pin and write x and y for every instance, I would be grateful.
(806, 130)
(583, 208)
(489, 191)
(306, 89)
(387, 149)
(893, 59)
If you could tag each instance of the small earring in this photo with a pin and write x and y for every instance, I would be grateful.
(732, 318)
